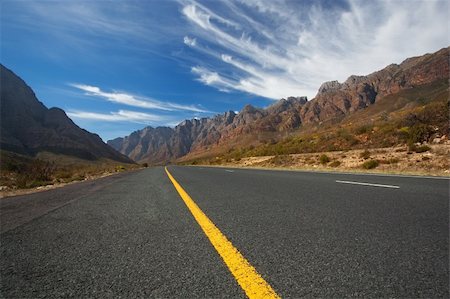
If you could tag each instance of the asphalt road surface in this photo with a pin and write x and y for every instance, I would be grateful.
(306, 234)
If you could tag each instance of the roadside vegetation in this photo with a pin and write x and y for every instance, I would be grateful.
(24, 172)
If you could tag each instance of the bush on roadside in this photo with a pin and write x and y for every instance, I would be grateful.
(324, 159)
(371, 164)
(120, 168)
(418, 148)
(35, 174)
(419, 133)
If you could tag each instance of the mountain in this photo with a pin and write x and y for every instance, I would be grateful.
(253, 126)
(28, 127)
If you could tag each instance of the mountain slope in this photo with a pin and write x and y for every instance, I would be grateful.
(28, 127)
(253, 126)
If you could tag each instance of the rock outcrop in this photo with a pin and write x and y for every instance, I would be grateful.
(28, 127)
(333, 100)
(358, 92)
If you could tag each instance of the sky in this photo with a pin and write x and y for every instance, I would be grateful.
(118, 66)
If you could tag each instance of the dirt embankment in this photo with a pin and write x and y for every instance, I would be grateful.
(423, 160)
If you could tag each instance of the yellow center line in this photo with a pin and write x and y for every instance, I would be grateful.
(245, 274)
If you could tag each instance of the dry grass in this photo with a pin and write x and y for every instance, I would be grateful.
(48, 170)
(383, 160)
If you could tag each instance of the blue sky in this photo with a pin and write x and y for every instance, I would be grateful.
(118, 66)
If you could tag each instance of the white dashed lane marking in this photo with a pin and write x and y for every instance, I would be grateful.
(368, 184)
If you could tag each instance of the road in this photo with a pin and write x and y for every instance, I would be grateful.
(306, 234)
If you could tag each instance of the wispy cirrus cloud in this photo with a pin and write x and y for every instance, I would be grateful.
(283, 48)
(87, 27)
(134, 100)
(119, 116)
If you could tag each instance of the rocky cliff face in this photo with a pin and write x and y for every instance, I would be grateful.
(333, 100)
(28, 127)
(357, 92)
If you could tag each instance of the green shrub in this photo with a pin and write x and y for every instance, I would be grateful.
(403, 133)
(418, 148)
(370, 164)
(419, 133)
(120, 168)
(365, 155)
(324, 159)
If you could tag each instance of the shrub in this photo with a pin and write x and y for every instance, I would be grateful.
(370, 164)
(335, 163)
(37, 173)
(364, 129)
(324, 159)
(78, 177)
(418, 149)
(120, 168)
(145, 165)
(394, 160)
(365, 155)
(419, 132)
(435, 113)
(347, 136)
(403, 133)
(423, 148)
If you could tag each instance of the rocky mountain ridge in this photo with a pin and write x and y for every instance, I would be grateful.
(333, 100)
(28, 127)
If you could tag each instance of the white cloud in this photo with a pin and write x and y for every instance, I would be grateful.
(119, 116)
(295, 50)
(205, 15)
(190, 41)
(135, 101)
